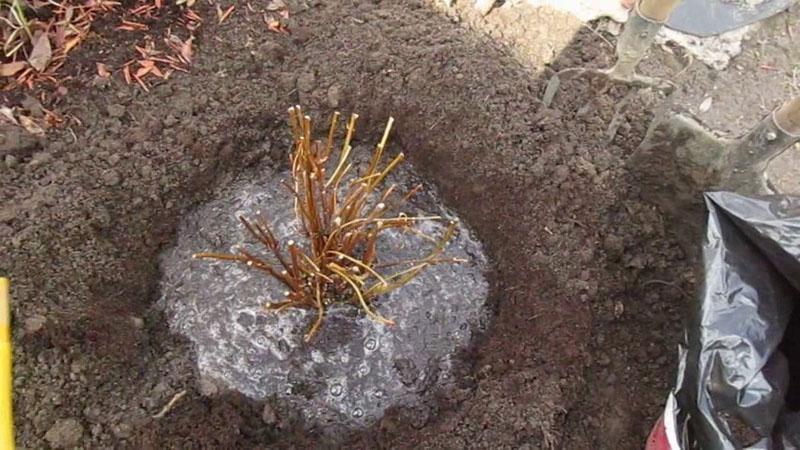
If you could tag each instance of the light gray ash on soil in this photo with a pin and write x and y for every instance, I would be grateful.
(354, 368)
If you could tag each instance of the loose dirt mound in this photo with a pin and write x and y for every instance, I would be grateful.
(583, 275)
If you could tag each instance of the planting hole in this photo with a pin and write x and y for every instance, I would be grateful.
(354, 368)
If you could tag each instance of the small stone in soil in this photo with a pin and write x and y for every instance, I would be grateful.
(122, 430)
(111, 178)
(116, 110)
(34, 324)
(301, 35)
(137, 322)
(268, 415)
(40, 159)
(77, 366)
(11, 161)
(8, 214)
(170, 120)
(207, 387)
(272, 52)
(334, 96)
(15, 140)
(614, 247)
(65, 433)
(33, 105)
(619, 309)
(100, 82)
(306, 82)
(561, 174)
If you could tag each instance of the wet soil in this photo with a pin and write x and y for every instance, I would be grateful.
(354, 367)
(587, 284)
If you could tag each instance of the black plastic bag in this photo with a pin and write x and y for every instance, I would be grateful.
(737, 356)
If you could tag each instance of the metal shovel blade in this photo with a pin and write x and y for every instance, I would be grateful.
(711, 17)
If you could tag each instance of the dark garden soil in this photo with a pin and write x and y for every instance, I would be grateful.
(587, 285)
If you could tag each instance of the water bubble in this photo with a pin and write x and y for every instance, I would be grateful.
(336, 390)
(358, 413)
(371, 344)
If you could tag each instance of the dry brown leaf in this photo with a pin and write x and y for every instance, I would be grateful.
(186, 49)
(148, 51)
(179, 68)
(143, 10)
(126, 72)
(8, 113)
(70, 44)
(142, 72)
(129, 25)
(41, 54)
(52, 119)
(102, 70)
(222, 16)
(30, 125)
(274, 24)
(167, 60)
(69, 11)
(9, 69)
(141, 83)
(157, 72)
(191, 15)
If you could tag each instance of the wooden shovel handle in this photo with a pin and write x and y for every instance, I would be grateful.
(787, 117)
(657, 10)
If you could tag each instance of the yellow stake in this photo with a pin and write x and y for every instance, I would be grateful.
(6, 413)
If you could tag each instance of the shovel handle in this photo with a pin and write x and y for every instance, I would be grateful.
(6, 412)
(787, 117)
(657, 10)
